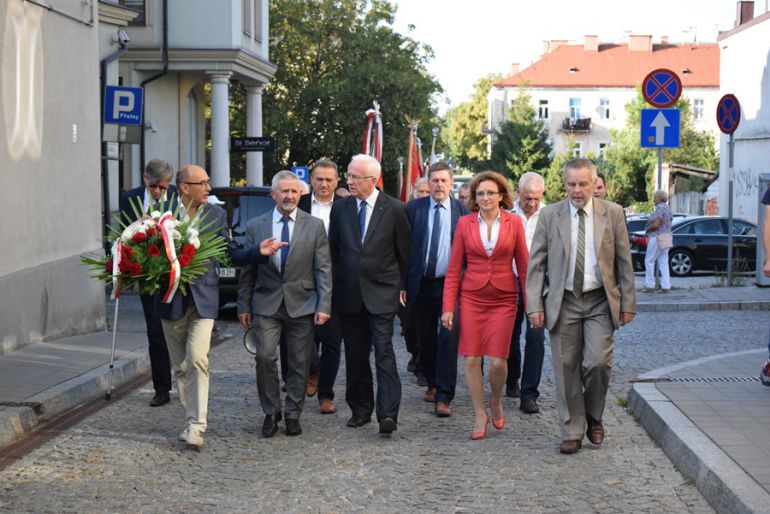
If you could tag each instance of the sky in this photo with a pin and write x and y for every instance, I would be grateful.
(473, 39)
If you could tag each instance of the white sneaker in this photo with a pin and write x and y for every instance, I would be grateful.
(183, 435)
(194, 438)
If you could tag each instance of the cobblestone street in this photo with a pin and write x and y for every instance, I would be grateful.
(126, 458)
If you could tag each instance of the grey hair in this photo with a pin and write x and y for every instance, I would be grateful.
(372, 165)
(573, 164)
(283, 175)
(417, 183)
(660, 195)
(157, 170)
(532, 181)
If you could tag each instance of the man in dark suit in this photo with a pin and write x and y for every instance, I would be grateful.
(155, 191)
(189, 319)
(370, 244)
(433, 220)
(288, 292)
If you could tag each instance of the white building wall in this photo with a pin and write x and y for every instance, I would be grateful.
(745, 72)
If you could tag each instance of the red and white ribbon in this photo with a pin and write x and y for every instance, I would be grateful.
(373, 136)
(175, 269)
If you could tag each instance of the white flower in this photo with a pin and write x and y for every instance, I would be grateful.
(195, 241)
(191, 232)
(176, 235)
(155, 215)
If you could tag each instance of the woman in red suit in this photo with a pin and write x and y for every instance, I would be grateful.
(486, 242)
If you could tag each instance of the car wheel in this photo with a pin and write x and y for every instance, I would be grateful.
(681, 262)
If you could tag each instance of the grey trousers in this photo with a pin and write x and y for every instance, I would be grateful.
(582, 343)
(298, 333)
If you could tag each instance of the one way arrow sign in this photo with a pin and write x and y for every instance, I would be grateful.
(660, 128)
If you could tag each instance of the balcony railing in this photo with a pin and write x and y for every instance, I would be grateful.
(576, 126)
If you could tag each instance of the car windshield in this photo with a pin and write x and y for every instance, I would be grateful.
(243, 207)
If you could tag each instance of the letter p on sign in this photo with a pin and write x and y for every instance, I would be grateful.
(124, 102)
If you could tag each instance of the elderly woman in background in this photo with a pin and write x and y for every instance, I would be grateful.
(659, 240)
(486, 241)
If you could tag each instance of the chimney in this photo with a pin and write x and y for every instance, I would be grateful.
(744, 12)
(591, 44)
(552, 45)
(640, 43)
(514, 68)
(663, 40)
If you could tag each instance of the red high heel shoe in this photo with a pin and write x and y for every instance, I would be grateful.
(499, 424)
(483, 434)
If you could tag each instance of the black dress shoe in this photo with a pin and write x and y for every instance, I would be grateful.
(422, 380)
(160, 398)
(529, 406)
(356, 421)
(513, 391)
(388, 426)
(292, 427)
(270, 425)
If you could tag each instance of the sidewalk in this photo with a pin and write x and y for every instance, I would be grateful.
(710, 416)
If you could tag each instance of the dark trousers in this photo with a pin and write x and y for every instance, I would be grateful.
(409, 332)
(325, 359)
(160, 364)
(534, 352)
(361, 331)
(438, 346)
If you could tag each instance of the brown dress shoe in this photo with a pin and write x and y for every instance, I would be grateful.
(595, 431)
(312, 384)
(570, 446)
(327, 406)
(430, 395)
(443, 410)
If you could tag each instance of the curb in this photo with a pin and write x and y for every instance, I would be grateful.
(754, 305)
(719, 479)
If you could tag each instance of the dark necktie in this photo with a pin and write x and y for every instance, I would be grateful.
(580, 255)
(435, 235)
(362, 219)
(284, 239)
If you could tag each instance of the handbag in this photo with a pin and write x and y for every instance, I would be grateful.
(665, 240)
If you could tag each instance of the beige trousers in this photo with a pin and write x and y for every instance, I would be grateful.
(188, 340)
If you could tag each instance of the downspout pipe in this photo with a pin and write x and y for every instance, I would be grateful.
(164, 56)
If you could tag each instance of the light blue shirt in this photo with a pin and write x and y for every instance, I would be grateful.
(277, 228)
(445, 237)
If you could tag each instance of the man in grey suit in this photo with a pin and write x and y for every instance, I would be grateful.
(189, 319)
(287, 291)
(580, 286)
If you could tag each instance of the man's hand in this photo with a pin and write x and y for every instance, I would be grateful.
(245, 319)
(270, 246)
(537, 319)
(626, 317)
(446, 320)
(320, 318)
(402, 298)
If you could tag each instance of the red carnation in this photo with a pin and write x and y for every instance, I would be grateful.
(124, 266)
(139, 237)
(151, 232)
(108, 266)
(153, 250)
(134, 268)
(184, 260)
(188, 249)
(127, 252)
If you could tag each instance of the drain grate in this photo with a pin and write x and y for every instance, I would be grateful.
(715, 379)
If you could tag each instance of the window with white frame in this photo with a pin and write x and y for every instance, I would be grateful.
(577, 149)
(574, 109)
(697, 109)
(604, 109)
(602, 152)
(258, 6)
(138, 6)
(247, 6)
(542, 110)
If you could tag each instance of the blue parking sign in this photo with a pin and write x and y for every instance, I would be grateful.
(123, 105)
(660, 128)
(302, 172)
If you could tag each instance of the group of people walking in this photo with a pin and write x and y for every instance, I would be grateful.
(325, 269)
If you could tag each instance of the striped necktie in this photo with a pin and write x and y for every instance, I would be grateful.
(580, 255)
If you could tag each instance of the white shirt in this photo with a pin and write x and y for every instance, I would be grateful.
(319, 209)
(529, 227)
(444, 240)
(489, 244)
(148, 198)
(592, 277)
(277, 228)
(370, 201)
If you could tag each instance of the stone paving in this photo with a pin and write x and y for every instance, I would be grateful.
(126, 458)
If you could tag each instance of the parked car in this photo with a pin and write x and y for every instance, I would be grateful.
(241, 205)
(700, 244)
(637, 222)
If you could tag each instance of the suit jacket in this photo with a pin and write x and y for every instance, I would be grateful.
(137, 194)
(371, 273)
(550, 254)
(205, 290)
(481, 269)
(419, 214)
(306, 284)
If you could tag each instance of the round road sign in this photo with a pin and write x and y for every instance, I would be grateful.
(661, 88)
(728, 114)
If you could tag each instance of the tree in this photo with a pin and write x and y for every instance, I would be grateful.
(521, 142)
(334, 58)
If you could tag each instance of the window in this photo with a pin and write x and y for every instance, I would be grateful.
(577, 149)
(258, 5)
(574, 109)
(136, 5)
(697, 109)
(542, 110)
(604, 109)
(706, 227)
(247, 6)
(743, 229)
(603, 149)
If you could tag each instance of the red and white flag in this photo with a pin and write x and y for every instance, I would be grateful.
(413, 169)
(373, 137)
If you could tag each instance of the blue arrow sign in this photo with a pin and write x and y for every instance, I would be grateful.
(660, 128)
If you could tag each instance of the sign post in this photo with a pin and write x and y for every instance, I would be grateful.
(661, 88)
(728, 118)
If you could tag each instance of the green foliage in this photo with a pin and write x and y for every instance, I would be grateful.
(521, 143)
(334, 58)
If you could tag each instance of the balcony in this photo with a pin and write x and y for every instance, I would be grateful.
(576, 126)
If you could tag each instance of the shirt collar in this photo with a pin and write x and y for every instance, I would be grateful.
(313, 200)
(370, 200)
(481, 220)
(589, 207)
(277, 215)
(446, 203)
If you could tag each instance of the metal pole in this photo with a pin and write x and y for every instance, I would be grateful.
(730, 148)
(108, 396)
(660, 169)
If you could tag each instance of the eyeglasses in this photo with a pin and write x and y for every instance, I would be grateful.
(486, 194)
(203, 183)
(157, 186)
(353, 178)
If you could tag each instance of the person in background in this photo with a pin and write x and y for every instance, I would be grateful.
(764, 375)
(658, 231)
(464, 193)
(600, 191)
(421, 188)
